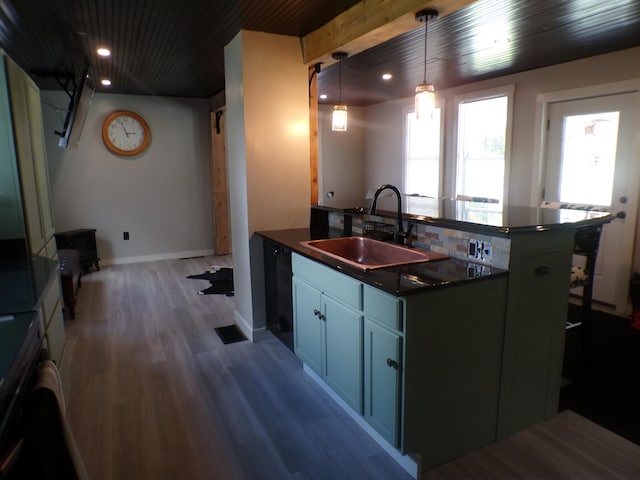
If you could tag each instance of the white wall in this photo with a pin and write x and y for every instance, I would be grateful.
(267, 133)
(342, 153)
(161, 197)
(384, 141)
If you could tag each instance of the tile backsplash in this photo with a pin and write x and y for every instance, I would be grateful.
(474, 247)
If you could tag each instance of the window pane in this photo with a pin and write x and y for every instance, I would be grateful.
(481, 147)
(589, 158)
(422, 162)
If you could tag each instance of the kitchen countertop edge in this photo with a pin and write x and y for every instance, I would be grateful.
(387, 279)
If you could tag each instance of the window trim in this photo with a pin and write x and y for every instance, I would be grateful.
(486, 94)
(406, 110)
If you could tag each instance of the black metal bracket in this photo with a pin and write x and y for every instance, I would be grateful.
(66, 80)
(218, 117)
(316, 70)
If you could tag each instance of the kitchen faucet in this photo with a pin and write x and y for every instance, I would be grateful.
(400, 234)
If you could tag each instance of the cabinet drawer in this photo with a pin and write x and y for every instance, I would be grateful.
(51, 298)
(383, 307)
(55, 335)
(329, 281)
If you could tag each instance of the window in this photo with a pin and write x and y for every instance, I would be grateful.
(422, 157)
(483, 144)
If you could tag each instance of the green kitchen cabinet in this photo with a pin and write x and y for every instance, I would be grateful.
(308, 328)
(382, 380)
(327, 331)
(422, 370)
(29, 149)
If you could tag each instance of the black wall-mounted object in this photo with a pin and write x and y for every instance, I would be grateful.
(79, 101)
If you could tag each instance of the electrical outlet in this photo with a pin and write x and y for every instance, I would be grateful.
(486, 251)
(125, 235)
(472, 248)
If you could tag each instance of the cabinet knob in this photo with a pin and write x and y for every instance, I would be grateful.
(316, 312)
(322, 317)
(393, 363)
(543, 270)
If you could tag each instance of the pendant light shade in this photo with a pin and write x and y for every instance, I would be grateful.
(425, 92)
(339, 120)
(425, 100)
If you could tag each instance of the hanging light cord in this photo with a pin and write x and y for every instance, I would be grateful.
(426, 22)
(340, 83)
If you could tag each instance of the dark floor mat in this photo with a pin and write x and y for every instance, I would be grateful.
(221, 281)
(230, 334)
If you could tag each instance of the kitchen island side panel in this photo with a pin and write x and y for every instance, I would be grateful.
(539, 276)
(453, 360)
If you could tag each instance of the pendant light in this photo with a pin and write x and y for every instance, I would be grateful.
(425, 92)
(339, 120)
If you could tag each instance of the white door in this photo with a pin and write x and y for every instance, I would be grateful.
(591, 160)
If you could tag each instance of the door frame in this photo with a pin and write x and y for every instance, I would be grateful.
(543, 101)
(542, 116)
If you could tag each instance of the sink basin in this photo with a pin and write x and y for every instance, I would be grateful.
(369, 254)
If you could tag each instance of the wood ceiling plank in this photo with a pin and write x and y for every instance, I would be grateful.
(367, 24)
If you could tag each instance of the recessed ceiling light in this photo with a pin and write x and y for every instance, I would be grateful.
(104, 52)
(323, 96)
(106, 82)
(387, 76)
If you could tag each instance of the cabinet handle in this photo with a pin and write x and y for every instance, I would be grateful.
(541, 270)
(316, 312)
(322, 317)
(393, 363)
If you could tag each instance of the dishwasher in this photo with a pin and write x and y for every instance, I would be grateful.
(279, 303)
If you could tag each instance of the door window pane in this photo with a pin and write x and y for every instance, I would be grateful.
(589, 158)
(482, 133)
(422, 161)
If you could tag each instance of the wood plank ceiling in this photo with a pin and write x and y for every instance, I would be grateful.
(170, 48)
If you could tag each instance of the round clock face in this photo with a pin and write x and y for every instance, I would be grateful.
(125, 133)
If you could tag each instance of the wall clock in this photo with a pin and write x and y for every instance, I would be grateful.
(125, 133)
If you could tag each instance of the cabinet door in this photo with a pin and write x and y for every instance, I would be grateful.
(36, 130)
(343, 358)
(21, 130)
(382, 380)
(309, 328)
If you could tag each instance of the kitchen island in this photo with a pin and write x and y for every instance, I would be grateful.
(470, 347)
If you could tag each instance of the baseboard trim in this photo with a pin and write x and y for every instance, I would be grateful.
(407, 462)
(152, 258)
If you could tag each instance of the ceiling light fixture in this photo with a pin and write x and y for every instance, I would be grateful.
(323, 96)
(387, 76)
(425, 92)
(339, 120)
(106, 82)
(103, 52)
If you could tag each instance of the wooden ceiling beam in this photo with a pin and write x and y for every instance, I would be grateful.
(367, 24)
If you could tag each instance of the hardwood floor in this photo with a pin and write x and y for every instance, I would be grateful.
(157, 395)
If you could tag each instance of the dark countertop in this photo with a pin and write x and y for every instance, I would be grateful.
(487, 218)
(400, 281)
(23, 280)
(19, 345)
(13, 332)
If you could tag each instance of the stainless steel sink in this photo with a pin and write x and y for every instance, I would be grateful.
(369, 254)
